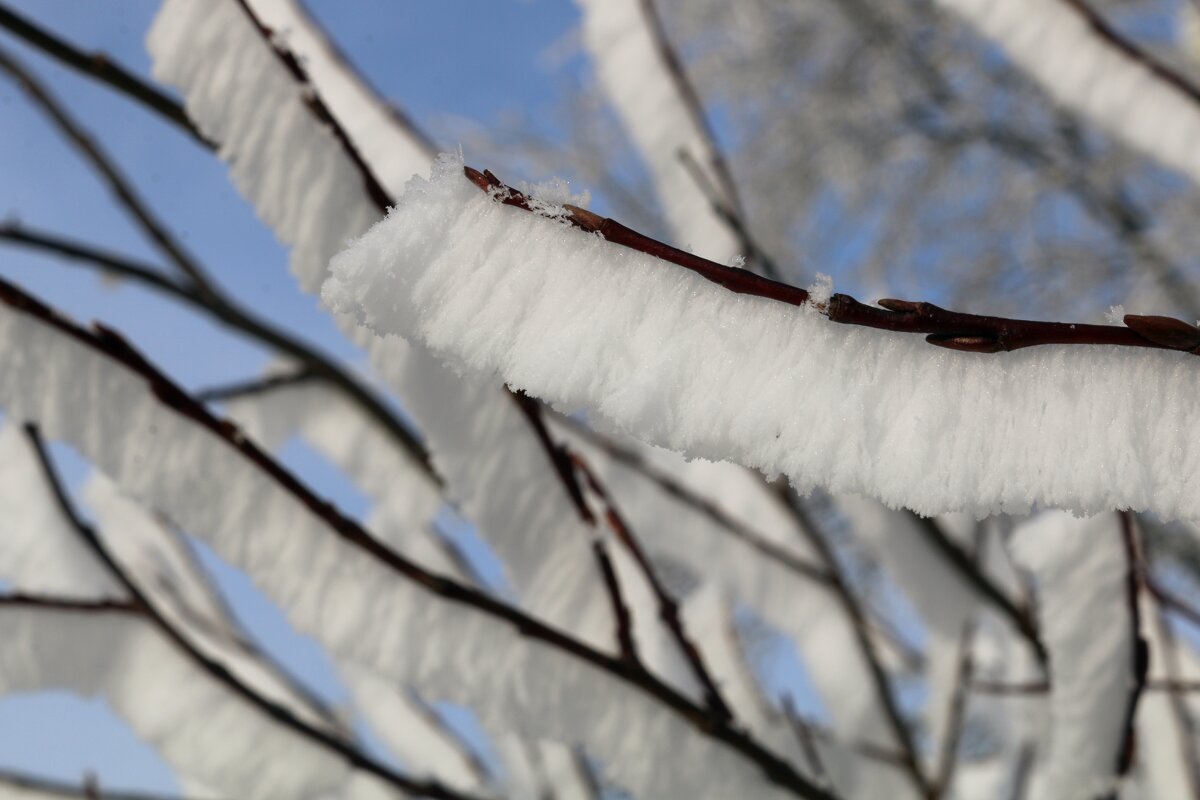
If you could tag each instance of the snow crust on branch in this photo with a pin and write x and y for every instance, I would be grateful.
(621, 39)
(1085, 72)
(405, 498)
(376, 128)
(1082, 569)
(158, 560)
(292, 170)
(171, 580)
(679, 362)
(442, 648)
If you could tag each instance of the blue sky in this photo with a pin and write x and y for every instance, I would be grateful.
(475, 59)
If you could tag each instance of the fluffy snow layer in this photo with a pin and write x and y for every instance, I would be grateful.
(621, 38)
(1057, 46)
(677, 361)
(291, 169)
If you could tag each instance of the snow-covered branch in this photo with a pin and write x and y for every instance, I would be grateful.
(679, 360)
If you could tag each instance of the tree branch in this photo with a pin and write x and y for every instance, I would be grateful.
(968, 570)
(44, 786)
(958, 712)
(727, 208)
(950, 329)
(853, 610)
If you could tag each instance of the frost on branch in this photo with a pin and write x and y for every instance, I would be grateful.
(312, 197)
(38, 549)
(680, 362)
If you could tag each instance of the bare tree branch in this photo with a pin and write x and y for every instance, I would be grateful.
(107, 169)
(100, 67)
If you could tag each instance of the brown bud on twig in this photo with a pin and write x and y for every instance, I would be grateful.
(1173, 333)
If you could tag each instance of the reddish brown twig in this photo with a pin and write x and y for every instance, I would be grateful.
(950, 329)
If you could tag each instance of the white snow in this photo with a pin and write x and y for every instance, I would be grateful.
(40, 552)
(293, 171)
(649, 348)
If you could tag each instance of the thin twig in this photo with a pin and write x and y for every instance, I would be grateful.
(957, 713)
(106, 167)
(724, 199)
(1141, 649)
(1026, 758)
(681, 492)
(807, 738)
(102, 68)
(1130, 49)
(1172, 602)
(966, 568)
(854, 612)
(815, 732)
(1176, 689)
(46, 786)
